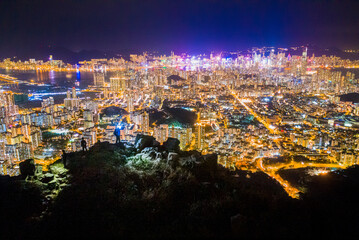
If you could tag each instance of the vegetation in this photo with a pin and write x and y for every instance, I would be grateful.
(150, 193)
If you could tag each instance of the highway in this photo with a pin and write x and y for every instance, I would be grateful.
(270, 128)
(292, 191)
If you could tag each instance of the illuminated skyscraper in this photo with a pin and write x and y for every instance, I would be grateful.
(118, 84)
(88, 119)
(130, 103)
(184, 135)
(145, 122)
(200, 132)
(71, 102)
(74, 92)
(99, 79)
(161, 133)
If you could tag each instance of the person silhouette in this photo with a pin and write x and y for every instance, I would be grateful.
(84, 144)
(64, 157)
(117, 133)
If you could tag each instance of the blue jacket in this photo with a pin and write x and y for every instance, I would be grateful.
(117, 132)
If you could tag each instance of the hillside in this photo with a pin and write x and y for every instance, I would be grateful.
(148, 191)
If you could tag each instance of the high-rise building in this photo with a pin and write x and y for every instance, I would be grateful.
(118, 84)
(99, 79)
(161, 133)
(74, 92)
(145, 122)
(88, 119)
(130, 107)
(184, 135)
(200, 132)
(71, 101)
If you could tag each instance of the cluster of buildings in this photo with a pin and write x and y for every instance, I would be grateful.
(247, 107)
(18, 137)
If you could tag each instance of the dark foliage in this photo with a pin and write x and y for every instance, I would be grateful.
(20, 204)
(117, 191)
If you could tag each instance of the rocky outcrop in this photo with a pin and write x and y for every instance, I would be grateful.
(52, 181)
(173, 159)
(172, 145)
(27, 168)
(143, 141)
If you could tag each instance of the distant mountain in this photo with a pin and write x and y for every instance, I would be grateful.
(318, 51)
(175, 78)
(58, 53)
(350, 97)
(73, 57)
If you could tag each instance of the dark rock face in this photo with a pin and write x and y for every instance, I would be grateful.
(172, 145)
(27, 168)
(192, 160)
(150, 151)
(173, 159)
(143, 141)
(210, 161)
(47, 178)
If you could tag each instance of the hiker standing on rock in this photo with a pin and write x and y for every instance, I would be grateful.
(83, 144)
(117, 133)
(64, 157)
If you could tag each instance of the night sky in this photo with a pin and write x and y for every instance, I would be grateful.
(182, 25)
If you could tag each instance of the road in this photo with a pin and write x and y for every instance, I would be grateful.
(292, 191)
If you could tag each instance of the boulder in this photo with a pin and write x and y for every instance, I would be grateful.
(173, 159)
(164, 154)
(150, 152)
(172, 145)
(159, 155)
(47, 177)
(156, 143)
(210, 161)
(53, 184)
(27, 168)
(58, 170)
(143, 141)
(191, 161)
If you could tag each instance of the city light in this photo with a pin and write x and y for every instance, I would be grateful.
(225, 106)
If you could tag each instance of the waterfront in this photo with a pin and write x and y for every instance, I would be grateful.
(44, 84)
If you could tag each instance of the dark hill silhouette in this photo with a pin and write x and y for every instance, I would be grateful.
(350, 97)
(174, 78)
(143, 191)
(113, 110)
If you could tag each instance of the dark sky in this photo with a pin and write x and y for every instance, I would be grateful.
(181, 25)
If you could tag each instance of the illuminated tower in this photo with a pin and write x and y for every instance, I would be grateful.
(145, 122)
(99, 79)
(74, 92)
(129, 103)
(71, 102)
(303, 69)
(118, 84)
(200, 137)
(88, 118)
(161, 133)
(106, 93)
